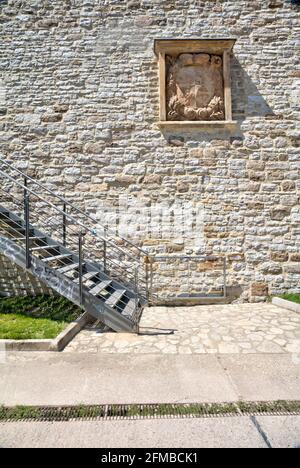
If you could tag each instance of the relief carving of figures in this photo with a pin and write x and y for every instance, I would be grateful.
(195, 89)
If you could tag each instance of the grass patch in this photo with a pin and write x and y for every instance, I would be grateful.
(38, 317)
(291, 297)
(67, 413)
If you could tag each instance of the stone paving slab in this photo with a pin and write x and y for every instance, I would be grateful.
(224, 329)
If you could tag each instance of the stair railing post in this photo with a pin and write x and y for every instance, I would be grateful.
(27, 230)
(80, 265)
(136, 280)
(147, 261)
(64, 226)
(25, 194)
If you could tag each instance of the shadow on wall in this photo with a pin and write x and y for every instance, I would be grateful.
(247, 102)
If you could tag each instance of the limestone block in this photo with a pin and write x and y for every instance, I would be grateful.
(280, 212)
(271, 268)
(288, 185)
(152, 179)
(94, 148)
(295, 257)
(279, 256)
(292, 268)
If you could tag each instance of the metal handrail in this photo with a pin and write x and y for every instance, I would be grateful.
(65, 201)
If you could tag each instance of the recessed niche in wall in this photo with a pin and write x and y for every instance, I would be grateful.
(194, 82)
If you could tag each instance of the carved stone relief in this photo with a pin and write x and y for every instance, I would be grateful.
(195, 89)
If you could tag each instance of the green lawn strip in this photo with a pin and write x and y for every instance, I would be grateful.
(38, 317)
(21, 413)
(18, 327)
(291, 297)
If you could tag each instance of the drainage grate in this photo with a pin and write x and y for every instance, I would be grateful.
(148, 411)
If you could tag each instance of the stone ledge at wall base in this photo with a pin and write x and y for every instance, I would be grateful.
(57, 344)
(192, 301)
(284, 304)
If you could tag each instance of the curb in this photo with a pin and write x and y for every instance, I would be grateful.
(26, 345)
(64, 338)
(57, 344)
(289, 305)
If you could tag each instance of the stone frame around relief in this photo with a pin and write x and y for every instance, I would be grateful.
(178, 59)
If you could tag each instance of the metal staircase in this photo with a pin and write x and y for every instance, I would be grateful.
(71, 252)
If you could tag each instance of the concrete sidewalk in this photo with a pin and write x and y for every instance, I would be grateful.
(74, 378)
(236, 432)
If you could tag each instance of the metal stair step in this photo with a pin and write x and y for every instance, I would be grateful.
(97, 289)
(44, 247)
(115, 297)
(130, 308)
(13, 222)
(87, 276)
(68, 268)
(20, 228)
(56, 257)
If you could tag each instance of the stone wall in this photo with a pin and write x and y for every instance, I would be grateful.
(14, 281)
(79, 109)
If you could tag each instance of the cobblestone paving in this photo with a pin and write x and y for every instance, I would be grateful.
(225, 329)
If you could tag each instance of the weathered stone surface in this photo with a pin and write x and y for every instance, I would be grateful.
(152, 179)
(280, 212)
(295, 257)
(52, 117)
(288, 185)
(172, 248)
(94, 148)
(271, 268)
(122, 181)
(179, 141)
(292, 268)
(279, 256)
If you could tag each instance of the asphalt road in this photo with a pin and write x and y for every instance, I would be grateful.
(230, 432)
(69, 379)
